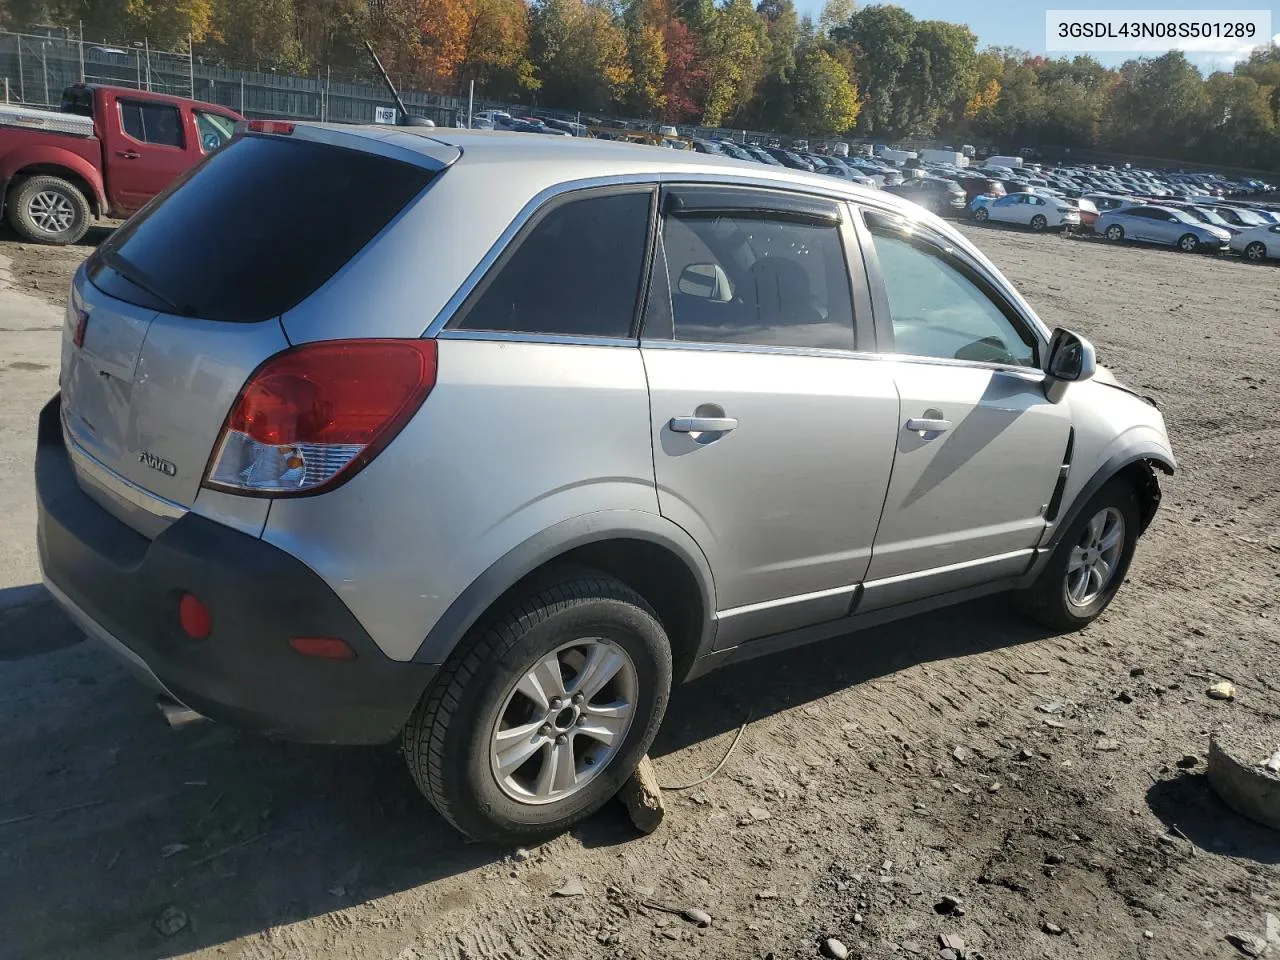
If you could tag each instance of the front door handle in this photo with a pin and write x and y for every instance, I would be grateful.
(128, 154)
(703, 424)
(925, 425)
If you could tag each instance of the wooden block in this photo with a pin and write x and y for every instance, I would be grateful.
(643, 797)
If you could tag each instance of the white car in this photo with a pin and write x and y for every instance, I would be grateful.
(1027, 209)
(1258, 243)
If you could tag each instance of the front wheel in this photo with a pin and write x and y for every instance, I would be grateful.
(1187, 243)
(544, 710)
(1090, 561)
(1038, 222)
(1256, 251)
(982, 215)
(49, 210)
(1115, 233)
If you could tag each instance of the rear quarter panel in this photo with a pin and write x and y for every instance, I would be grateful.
(514, 438)
(21, 150)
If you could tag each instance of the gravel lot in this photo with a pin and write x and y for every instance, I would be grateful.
(1052, 785)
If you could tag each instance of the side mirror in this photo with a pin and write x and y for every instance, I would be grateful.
(1071, 358)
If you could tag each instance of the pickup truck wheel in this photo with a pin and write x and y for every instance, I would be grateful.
(49, 210)
(543, 710)
(1090, 562)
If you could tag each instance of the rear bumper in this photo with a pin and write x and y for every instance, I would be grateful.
(123, 590)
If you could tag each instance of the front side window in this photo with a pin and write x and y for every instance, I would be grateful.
(214, 130)
(938, 310)
(157, 123)
(575, 272)
(744, 277)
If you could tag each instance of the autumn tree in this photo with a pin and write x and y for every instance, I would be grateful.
(684, 83)
(496, 48)
(646, 55)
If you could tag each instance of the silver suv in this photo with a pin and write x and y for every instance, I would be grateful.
(483, 440)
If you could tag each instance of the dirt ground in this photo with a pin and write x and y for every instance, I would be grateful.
(1052, 785)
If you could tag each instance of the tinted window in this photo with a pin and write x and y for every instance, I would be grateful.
(576, 272)
(157, 123)
(937, 310)
(753, 279)
(254, 229)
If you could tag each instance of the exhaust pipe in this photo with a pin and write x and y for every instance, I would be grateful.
(178, 715)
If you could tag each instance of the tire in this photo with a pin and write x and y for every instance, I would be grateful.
(1038, 222)
(982, 215)
(1115, 233)
(1188, 243)
(1256, 251)
(451, 740)
(49, 210)
(1049, 600)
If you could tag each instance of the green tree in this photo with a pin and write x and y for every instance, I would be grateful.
(835, 13)
(259, 32)
(824, 96)
(735, 54)
(1158, 106)
(580, 52)
(880, 38)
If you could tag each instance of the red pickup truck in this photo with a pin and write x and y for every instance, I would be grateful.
(104, 154)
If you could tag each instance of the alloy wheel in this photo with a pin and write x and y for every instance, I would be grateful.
(1093, 562)
(51, 212)
(563, 721)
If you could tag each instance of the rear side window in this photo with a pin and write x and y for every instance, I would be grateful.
(746, 277)
(257, 227)
(575, 272)
(157, 123)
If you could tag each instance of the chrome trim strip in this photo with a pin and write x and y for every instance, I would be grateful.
(786, 601)
(949, 568)
(510, 336)
(118, 486)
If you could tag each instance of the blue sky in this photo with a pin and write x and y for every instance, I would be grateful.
(1021, 23)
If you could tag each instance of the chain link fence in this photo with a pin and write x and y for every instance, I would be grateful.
(34, 69)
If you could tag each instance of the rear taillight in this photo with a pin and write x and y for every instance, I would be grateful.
(310, 418)
(278, 127)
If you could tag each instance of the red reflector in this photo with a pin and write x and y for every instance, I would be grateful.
(328, 648)
(281, 127)
(194, 617)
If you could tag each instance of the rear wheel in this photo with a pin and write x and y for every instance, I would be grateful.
(49, 210)
(1115, 233)
(982, 215)
(1187, 243)
(544, 709)
(1090, 562)
(1256, 251)
(1038, 222)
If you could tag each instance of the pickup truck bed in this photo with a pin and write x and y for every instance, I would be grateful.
(106, 153)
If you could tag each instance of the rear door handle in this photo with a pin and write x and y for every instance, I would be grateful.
(128, 154)
(703, 424)
(924, 425)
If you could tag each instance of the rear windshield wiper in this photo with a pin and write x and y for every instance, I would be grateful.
(139, 279)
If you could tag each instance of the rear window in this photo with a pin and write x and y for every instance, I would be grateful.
(254, 229)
